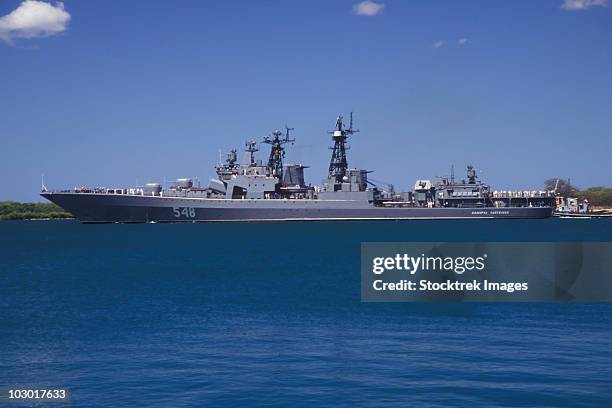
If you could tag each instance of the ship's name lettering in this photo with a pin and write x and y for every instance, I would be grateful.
(492, 212)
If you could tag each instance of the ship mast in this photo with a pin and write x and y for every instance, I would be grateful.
(338, 163)
(277, 151)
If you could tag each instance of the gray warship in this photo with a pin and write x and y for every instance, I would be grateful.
(274, 191)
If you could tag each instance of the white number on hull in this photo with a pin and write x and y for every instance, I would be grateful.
(187, 212)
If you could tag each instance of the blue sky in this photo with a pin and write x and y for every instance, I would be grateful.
(115, 93)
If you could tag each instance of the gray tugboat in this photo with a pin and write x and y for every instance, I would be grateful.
(274, 191)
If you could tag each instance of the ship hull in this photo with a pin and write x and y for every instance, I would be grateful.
(105, 208)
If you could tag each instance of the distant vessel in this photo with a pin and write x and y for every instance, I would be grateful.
(256, 191)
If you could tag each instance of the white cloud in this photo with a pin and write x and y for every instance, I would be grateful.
(368, 8)
(34, 19)
(572, 5)
(463, 41)
(438, 44)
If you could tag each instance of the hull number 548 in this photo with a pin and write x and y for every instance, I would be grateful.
(185, 212)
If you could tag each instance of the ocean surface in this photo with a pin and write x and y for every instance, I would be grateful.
(184, 315)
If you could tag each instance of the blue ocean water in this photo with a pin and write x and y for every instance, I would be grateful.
(233, 314)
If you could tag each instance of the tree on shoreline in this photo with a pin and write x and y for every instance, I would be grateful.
(561, 186)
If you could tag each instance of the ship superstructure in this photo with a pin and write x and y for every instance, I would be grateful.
(256, 191)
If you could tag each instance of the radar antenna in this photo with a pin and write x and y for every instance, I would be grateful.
(277, 151)
(471, 174)
(338, 163)
(232, 157)
(250, 147)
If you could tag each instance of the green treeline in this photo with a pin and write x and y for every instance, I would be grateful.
(10, 210)
(597, 196)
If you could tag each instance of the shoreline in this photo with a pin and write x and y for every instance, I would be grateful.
(40, 219)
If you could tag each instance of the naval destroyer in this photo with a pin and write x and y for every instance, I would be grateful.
(273, 191)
